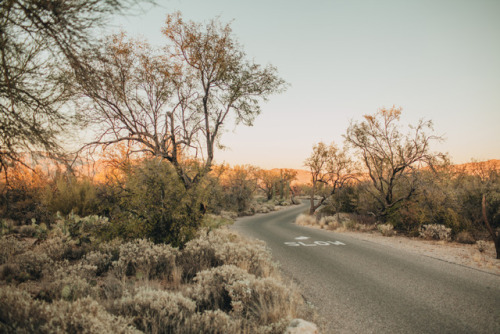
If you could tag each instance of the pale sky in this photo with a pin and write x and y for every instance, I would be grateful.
(437, 59)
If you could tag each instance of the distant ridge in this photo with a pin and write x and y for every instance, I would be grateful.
(304, 176)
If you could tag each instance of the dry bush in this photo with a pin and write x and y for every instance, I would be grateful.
(305, 220)
(31, 265)
(264, 301)
(211, 289)
(19, 313)
(218, 247)
(482, 245)
(70, 282)
(9, 247)
(435, 231)
(55, 247)
(156, 311)
(145, 260)
(212, 322)
(386, 230)
(465, 237)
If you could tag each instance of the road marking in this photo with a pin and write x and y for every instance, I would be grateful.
(301, 238)
(314, 243)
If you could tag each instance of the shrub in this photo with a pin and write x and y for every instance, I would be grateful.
(211, 289)
(145, 260)
(305, 220)
(435, 231)
(386, 229)
(212, 322)
(156, 311)
(19, 313)
(10, 246)
(482, 245)
(31, 265)
(214, 248)
(264, 301)
(465, 237)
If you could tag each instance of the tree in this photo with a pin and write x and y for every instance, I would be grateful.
(276, 182)
(391, 157)
(174, 104)
(37, 39)
(331, 169)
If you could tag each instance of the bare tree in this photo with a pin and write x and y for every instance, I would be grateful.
(174, 104)
(392, 157)
(331, 169)
(37, 39)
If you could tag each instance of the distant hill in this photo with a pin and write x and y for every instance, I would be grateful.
(472, 167)
(304, 176)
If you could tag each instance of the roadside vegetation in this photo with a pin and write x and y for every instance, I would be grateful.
(389, 180)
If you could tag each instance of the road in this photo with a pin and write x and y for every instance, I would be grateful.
(363, 287)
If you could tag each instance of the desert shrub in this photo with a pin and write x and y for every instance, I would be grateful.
(212, 322)
(31, 265)
(482, 245)
(305, 220)
(27, 231)
(218, 247)
(54, 247)
(211, 291)
(10, 246)
(435, 231)
(19, 313)
(145, 260)
(156, 311)
(386, 229)
(264, 300)
(68, 287)
(465, 237)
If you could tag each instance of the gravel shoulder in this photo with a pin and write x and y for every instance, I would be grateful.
(461, 254)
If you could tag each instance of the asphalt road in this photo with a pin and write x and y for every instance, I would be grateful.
(363, 287)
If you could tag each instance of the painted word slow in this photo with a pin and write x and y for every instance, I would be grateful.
(314, 243)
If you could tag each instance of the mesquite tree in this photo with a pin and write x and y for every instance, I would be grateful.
(331, 168)
(392, 157)
(174, 103)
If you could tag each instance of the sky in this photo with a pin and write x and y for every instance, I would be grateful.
(436, 59)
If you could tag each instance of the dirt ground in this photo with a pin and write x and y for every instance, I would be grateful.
(466, 255)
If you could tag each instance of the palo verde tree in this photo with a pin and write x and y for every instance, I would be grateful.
(174, 103)
(391, 157)
(331, 168)
(37, 39)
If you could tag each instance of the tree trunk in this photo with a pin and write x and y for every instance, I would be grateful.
(494, 235)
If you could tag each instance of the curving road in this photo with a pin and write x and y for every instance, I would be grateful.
(363, 287)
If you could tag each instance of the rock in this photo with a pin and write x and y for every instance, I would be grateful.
(300, 326)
